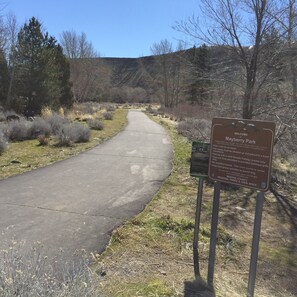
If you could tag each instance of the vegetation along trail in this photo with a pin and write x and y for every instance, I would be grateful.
(76, 203)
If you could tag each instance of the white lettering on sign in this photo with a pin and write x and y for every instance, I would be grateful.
(240, 140)
(241, 152)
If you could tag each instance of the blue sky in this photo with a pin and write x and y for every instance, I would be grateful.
(117, 28)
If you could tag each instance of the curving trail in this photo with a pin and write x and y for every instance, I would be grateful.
(76, 203)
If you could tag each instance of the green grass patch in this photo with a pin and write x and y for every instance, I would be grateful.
(143, 287)
(283, 256)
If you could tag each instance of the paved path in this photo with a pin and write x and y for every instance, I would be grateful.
(76, 203)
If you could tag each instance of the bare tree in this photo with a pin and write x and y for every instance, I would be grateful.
(2, 34)
(12, 30)
(77, 46)
(85, 75)
(292, 49)
(287, 27)
(169, 65)
(240, 26)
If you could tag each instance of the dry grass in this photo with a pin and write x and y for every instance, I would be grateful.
(156, 246)
(32, 274)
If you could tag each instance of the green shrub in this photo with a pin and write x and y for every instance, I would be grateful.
(39, 127)
(195, 129)
(95, 124)
(3, 143)
(108, 116)
(4, 130)
(56, 122)
(63, 138)
(109, 108)
(19, 130)
(2, 116)
(73, 133)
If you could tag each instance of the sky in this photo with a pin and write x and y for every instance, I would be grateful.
(116, 28)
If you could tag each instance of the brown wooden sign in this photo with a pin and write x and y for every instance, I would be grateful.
(241, 152)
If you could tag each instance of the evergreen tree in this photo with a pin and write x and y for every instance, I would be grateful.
(57, 75)
(42, 71)
(199, 84)
(4, 78)
(30, 65)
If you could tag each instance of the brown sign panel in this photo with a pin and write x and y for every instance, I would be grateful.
(241, 152)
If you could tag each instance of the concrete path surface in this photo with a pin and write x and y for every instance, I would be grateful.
(76, 203)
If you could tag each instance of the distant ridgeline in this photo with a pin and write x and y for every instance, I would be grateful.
(145, 78)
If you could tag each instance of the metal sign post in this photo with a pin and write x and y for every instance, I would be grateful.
(255, 244)
(199, 168)
(213, 236)
(196, 231)
(241, 154)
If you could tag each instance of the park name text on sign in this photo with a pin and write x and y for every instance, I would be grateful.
(241, 152)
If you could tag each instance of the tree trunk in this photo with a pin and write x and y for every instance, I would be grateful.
(247, 112)
(248, 100)
(294, 83)
(291, 18)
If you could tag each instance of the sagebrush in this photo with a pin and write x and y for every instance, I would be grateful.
(95, 124)
(195, 129)
(72, 133)
(33, 274)
(3, 143)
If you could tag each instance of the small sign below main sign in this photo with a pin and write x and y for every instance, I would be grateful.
(241, 152)
(199, 159)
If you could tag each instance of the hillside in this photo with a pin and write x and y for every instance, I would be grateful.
(128, 71)
(146, 72)
(108, 79)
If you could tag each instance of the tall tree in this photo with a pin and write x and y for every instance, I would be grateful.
(235, 24)
(42, 72)
(85, 77)
(4, 78)
(76, 46)
(169, 64)
(199, 80)
(3, 36)
(12, 31)
(287, 25)
(57, 74)
(292, 14)
(30, 65)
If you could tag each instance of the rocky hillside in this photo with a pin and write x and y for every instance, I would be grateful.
(131, 72)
